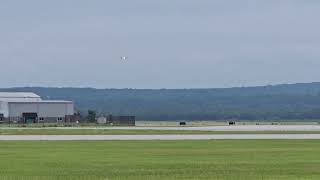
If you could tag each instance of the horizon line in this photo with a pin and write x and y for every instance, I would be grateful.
(88, 87)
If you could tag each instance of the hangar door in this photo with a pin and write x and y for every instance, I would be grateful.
(29, 117)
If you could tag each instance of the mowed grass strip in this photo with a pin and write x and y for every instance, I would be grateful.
(139, 160)
(133, 132)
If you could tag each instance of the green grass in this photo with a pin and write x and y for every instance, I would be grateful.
(23, 131)
(139, 160)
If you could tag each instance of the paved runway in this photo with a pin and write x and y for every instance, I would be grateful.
(153, 137)
(205, 128)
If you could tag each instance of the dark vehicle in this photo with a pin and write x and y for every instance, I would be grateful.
(183, 123)
(231, 123)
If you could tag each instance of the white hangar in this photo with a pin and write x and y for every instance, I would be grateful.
(22, 107)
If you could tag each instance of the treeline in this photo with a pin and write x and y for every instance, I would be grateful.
(280, 102)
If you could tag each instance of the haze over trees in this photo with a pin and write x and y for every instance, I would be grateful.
(279, 102)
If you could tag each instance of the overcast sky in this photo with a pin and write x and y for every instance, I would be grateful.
(169, 43)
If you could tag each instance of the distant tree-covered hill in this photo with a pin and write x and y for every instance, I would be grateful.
(279, 102)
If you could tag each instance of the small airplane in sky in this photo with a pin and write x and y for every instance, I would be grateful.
(124, 58)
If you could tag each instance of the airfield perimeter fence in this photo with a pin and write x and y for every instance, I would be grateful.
(57, 124)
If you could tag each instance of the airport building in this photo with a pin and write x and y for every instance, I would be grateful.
(21, 107)
(117, 120)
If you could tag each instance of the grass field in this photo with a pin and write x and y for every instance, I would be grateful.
(133, 132)
(215, 159)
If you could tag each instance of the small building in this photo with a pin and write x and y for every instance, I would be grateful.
(102, 120)
(121, 120)
(25, 107)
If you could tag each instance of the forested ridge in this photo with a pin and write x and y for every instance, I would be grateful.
(278, 102)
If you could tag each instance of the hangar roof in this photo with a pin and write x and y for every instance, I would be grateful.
(19, 96)
(42, 102)
(25, 97)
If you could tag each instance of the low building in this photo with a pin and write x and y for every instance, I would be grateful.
(121, 120)
(101, 120)
(21, 107)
